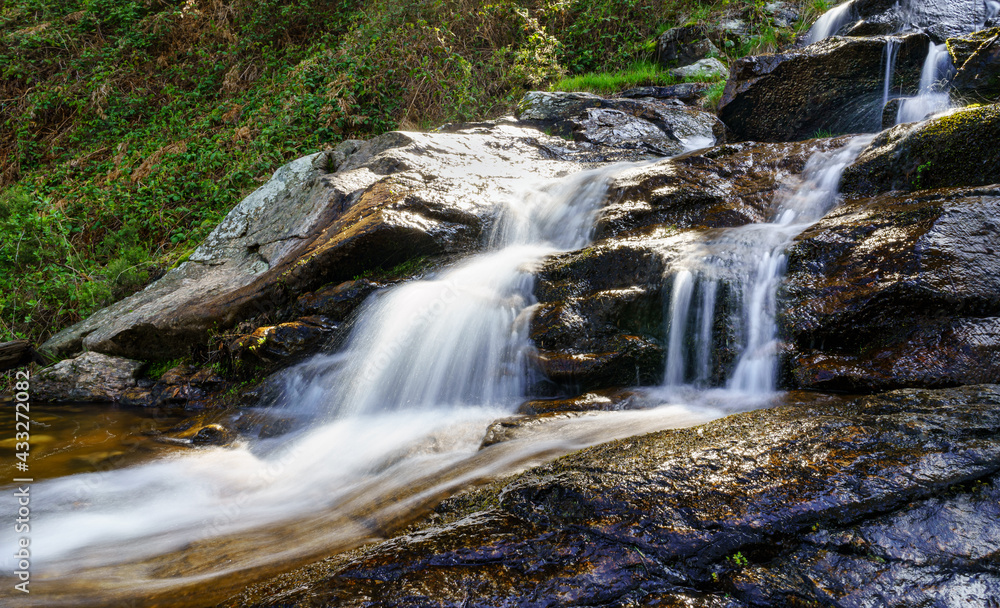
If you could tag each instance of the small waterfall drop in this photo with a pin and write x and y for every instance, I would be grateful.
(830, 22)
(749, 262)
(891, 51)
(933, 96)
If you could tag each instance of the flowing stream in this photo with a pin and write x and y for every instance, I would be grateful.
(387, 427)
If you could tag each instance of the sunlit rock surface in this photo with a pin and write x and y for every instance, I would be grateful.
(88, 377)
(896, 291)
(823, 502)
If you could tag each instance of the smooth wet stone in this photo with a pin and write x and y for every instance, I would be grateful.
(828, 502)
(896, 291)
(284, 342)
(954, 150)
(940, 18)
(833, 86)
(89, 377)
(338, 301)
(606, 400)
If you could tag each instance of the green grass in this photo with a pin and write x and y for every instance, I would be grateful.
(642, 73)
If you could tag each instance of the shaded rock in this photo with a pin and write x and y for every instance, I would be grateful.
(949, 151)
(687, 92)
(706, 69)
(684, 45)
(836, 86)
(896, 291)
(88, 377)
(398, 196)
(284, 342)
(18, 353)
(183, 386)
(810, 503)
(978, 59)
(890, 111)
(213, 434)
(336, 302)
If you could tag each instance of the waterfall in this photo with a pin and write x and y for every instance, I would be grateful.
(751, 260)
(933, 96)
(830, 22)
(891, 51)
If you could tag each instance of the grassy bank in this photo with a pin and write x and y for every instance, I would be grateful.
(128, 128)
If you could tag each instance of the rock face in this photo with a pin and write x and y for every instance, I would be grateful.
(709, 69)
(89, 377)
(836, 86)
(940, 18)
(685, 45)
(896, 291)
(978, 59)
(386, 201)
(599, 320)
(953, 150)
(824, 502)
(331, 216)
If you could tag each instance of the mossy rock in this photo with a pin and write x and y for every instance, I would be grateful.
(955, 150)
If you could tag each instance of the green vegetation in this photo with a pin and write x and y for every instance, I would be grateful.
(641, 73)
(128, 128)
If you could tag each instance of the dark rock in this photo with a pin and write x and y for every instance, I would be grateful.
(212, 434)
(940, 18)
(284, 342)
(183, 386)
(896, 291)
(836, 86)
(336, 302)
(685, 45)
(978, 59)
(889, 113)
(599, 321)
(89, 377)
(816, 502)
(953, 150)
(688, 92)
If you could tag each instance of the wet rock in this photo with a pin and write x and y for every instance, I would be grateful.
(978, 59)
(599, 321)
(336, 302)
(809, 503)
(212, 434)
(889, 113)
(784, 14)
(900, 291)
(396, 197)
(652, 126)
(950, 151)
(687, 92)
(284, 342)
(88, 377)
(685, 45)
(606, 400)
(183, 386)
(940, 18)
(706, 69)
(836, 86)
(544, 106)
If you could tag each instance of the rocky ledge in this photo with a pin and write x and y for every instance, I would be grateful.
(820, 501)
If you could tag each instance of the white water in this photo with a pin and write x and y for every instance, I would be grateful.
(750, 261)
(830, 22)
(933, 96)
(891, 51)
(396, 418)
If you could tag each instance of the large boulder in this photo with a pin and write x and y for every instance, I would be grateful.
(957, 149)
(833, 86)
(817, 502)
(684, 45)
(90, 377)
(325, 218)
(896, 291)
(977, 57)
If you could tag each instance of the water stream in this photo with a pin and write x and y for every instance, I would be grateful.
(389, 425)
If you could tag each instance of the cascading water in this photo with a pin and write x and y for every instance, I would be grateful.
(831, 22)
(891, 51)
(933, 96)
(750, 261)
(396, 419)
